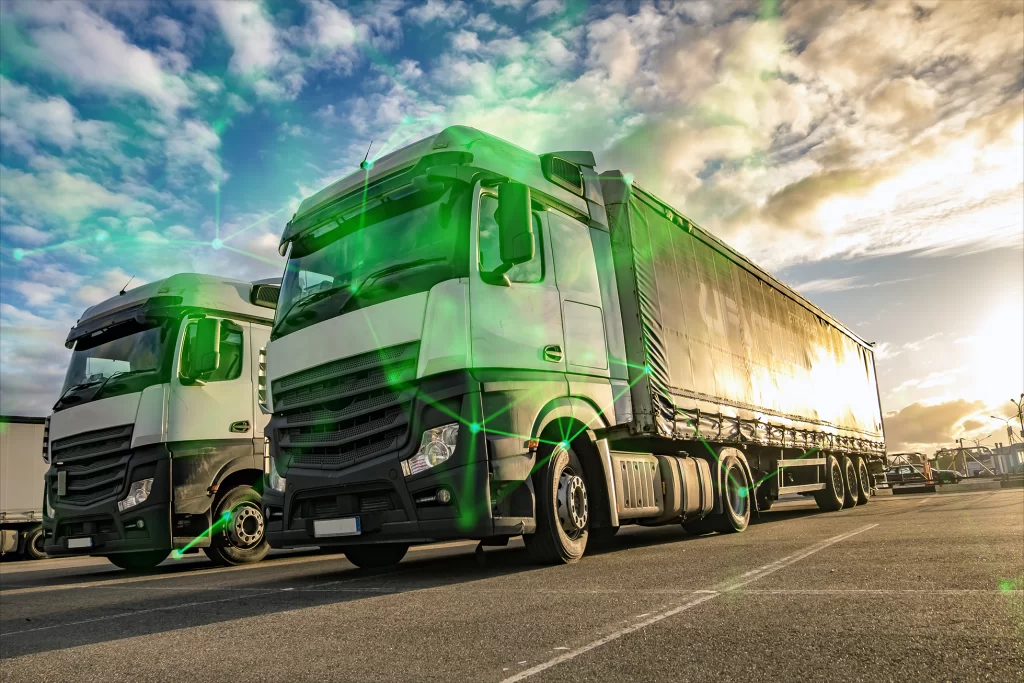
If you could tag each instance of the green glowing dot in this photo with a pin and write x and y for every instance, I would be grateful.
(743, 492)
(102, 236)
(648, 369)
(628, 178)
(354, 287)
(1006, 585)
(216, 244)
(564, 444)
(366, 165)
(474, 427)
(226, 517)
(18, 254)
(177, 555)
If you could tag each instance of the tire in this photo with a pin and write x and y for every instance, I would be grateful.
(563, 510)
(376, 556)
(735, 494)
(850, 485)
(831, 497)
(241, 539)
(863, 482)
(143, 560)
(34, 545)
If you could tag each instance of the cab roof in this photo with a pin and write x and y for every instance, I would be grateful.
(196, 291)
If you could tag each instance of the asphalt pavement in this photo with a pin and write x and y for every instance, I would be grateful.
(906, 588)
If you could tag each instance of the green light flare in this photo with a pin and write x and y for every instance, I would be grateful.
(218, 525)
(474, 427)
(254, 224)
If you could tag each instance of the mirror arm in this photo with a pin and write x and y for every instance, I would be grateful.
(497, 276)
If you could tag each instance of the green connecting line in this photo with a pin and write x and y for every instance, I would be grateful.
(219, 525)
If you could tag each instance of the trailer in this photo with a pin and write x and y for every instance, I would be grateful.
(475, 341)
(21, 485)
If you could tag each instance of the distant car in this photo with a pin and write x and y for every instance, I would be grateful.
(904, 474)
(946, 476)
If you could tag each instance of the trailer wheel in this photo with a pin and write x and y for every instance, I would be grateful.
(34, 545)
(830, 498)
(863, 482)
(377, 555)
(239, 517)
(850, 485)
(143, 560)
(563, 511)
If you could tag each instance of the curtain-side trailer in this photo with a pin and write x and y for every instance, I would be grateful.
(474, 341)
(21, 485)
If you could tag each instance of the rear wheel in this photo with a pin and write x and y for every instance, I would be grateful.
(830, 498)
(238, 536)
(563, 510)
(863, 482)
(735, 493)
(142, 560)
(850, 485)
(376, 556)
(34, 545)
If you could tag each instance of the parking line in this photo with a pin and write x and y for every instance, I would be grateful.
(754, 575)
(201, 572)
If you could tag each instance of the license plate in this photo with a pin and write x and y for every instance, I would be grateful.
(80, 542)
(336, 527)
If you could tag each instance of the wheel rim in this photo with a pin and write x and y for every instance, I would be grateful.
(37, 544)
(573, 507)
(737, 494)
(837, 480)
(246, 527)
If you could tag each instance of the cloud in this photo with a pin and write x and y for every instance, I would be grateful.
(437, 11)
(70, 40)
(26, 235)
(842, 284)
(923, 427)
(64, 197)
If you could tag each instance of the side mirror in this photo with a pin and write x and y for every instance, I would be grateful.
(515, 224)
(204, 350)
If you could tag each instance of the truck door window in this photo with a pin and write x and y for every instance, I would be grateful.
(231, 350)
(490, 256)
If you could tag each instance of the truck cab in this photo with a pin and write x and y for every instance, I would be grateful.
(156, 442)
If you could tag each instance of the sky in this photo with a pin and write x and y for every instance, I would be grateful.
(870, 154)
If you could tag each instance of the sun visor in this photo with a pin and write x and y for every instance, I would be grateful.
(156, 307)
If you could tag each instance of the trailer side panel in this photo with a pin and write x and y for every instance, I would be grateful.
(718, 346)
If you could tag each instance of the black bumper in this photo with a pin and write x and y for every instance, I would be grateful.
(391, 507)
(110, 530)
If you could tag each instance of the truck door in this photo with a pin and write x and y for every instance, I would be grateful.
(258, 338)
(221, 408)
(520, 326)
(586, 350)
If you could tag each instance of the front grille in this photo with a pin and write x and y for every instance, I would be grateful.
(346, 411)
(345, 504)
(95, 464)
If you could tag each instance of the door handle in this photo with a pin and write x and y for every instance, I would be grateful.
(240, 427)
(553, 353)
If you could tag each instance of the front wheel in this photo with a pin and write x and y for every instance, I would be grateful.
(34, 545)
(238, 528)
(376, 556)
(142, 560)
(563, 510)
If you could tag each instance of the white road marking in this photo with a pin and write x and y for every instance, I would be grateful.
(755, 575)
(204, 570)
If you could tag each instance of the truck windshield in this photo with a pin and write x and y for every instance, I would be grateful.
(127, 357)
(396, 245)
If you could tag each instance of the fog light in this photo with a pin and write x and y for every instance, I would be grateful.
(137, 494)
(444, 496)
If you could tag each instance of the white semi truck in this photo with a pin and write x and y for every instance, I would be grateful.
(474, 341)
(21, 486)
(156, 442)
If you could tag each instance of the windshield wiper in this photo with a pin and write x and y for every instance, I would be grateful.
(121, 373)
(74, 387)
(312, 298)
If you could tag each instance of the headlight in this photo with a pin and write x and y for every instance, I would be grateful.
(137, 494)
(275, 480)
(436, 446)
